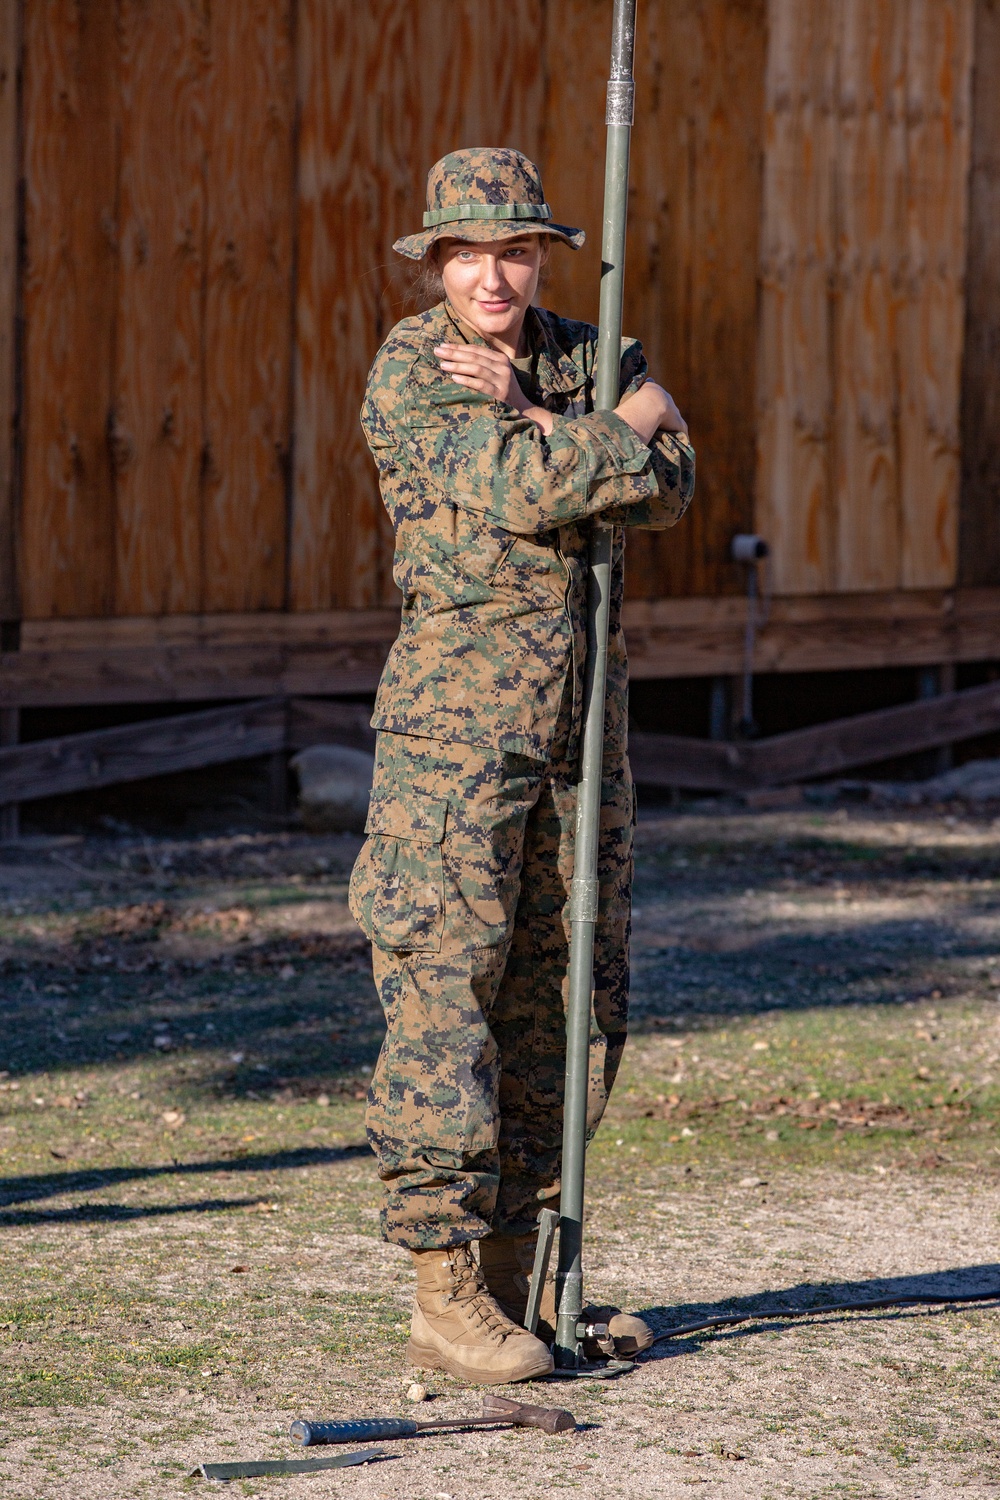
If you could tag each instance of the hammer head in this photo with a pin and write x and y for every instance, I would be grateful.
(547, 1418)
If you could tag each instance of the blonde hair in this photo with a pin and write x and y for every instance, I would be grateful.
(427, 285)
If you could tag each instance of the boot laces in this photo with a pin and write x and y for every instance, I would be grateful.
(471, 1292)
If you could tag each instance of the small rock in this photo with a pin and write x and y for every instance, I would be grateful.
(173, 1118)
(416, 1392)
(334, 787)
(749, 1182)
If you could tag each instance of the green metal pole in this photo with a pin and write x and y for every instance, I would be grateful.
(583, 895)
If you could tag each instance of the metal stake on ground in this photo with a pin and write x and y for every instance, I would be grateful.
(584, 893)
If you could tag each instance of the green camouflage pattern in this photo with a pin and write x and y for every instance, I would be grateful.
(484, 193)
(463, 880)
(461, 886)
(492, 527)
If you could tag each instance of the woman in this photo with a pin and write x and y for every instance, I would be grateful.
(492, 465)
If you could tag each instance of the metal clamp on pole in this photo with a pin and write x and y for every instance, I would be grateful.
(583, 903)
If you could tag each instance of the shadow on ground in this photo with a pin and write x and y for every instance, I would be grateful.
(30, 1189)
(113, 1213)
(808, 1301)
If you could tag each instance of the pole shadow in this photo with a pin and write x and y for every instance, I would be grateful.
(806, 1303)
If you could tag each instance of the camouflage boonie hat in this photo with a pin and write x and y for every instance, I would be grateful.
(484, 193)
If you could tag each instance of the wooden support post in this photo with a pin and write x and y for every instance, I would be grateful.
(720, 709)
(10, 812)
(931, 683)
(277, 784)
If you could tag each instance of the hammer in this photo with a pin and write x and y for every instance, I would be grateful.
(498, 1411)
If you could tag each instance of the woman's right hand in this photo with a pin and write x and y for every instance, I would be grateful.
(490, 372)
(650, 410)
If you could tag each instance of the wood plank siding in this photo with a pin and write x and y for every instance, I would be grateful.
(862, 273)
(185, 253)
(72, 109)
(210, 194)
(422, 79)
(160, 208)
(980, 508)
(691, 274)
(10, 169)
(178, 658)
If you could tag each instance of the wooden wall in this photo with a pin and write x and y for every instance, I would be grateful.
(212, 188)
(203, 299)
(159, 216)
(862, 272)
(691, 273)
(479, 72)
(980, 509)
(385, 89)
(10, 57)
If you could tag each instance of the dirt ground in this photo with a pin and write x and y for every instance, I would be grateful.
(807, 1114)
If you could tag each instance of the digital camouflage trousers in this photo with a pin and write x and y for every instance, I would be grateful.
(462, 888)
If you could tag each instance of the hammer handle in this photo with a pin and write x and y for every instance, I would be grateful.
(310, 1433)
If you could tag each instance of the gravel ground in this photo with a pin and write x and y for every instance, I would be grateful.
(807, 1114)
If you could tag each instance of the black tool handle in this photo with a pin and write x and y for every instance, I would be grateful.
(311, 1433)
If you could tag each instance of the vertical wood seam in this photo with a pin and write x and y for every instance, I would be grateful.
(293, 306)
(111, 415)
(11, 225)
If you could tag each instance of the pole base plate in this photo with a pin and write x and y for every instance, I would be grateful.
(604, 1370)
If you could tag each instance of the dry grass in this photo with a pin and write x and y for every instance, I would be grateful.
(808, 1110)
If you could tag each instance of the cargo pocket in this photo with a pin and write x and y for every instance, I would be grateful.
(397, 885)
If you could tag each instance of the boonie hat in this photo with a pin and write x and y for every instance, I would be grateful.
(484, 193)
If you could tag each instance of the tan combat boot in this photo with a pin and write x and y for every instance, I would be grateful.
(457, 1326)
(507, 1260)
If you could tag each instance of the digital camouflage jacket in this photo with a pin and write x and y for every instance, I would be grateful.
(492, 524)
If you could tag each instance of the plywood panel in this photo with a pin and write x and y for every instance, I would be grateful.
(980, 505)
(869, 177)
(939, 52)
(156, 428)
(858, 440)
(10, 60)
(693, 245)
(70, 146)
(713, 266)
(572, 148)
(796, 289)
(249, 175)
(384, 90)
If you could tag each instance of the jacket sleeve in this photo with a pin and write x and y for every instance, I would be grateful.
(488, 458)
(672, 458)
